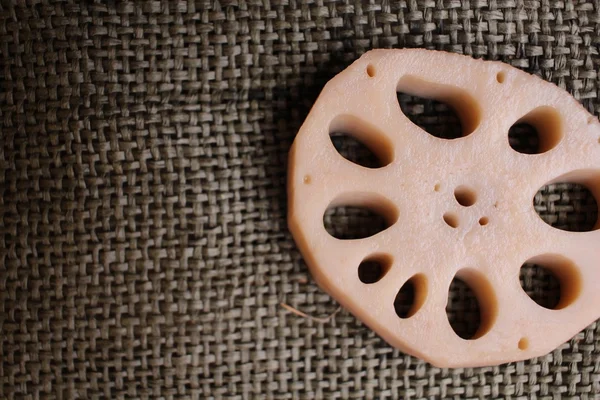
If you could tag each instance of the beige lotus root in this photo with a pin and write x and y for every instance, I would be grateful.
(455, 208)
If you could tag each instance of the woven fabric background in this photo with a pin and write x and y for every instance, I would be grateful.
(144, 251)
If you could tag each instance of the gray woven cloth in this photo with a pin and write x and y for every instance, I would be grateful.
(143, 239)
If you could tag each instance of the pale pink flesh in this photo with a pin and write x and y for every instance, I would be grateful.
(490, 97)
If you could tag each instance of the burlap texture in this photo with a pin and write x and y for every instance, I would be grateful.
(143, 239)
